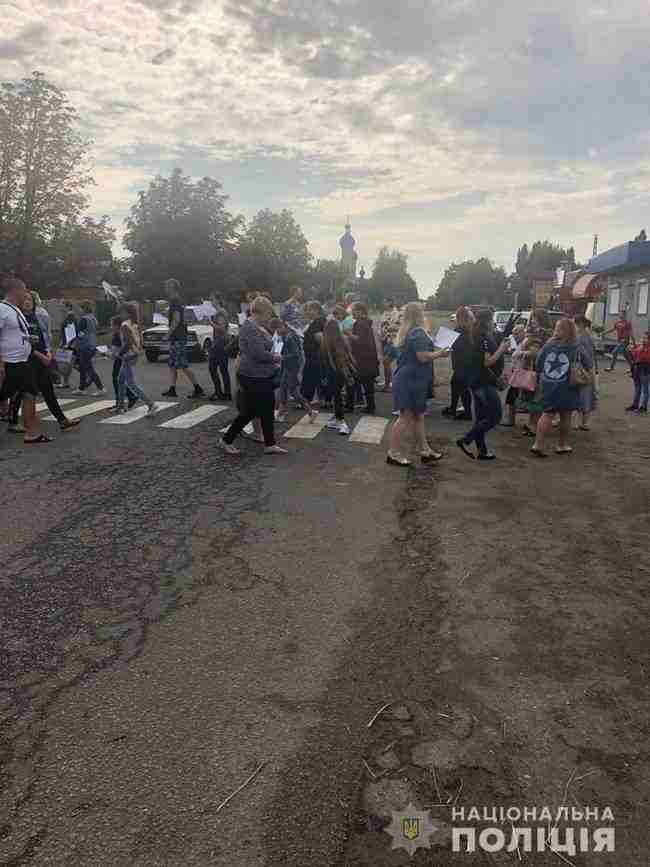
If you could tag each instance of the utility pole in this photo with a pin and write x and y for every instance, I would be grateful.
(595, 246)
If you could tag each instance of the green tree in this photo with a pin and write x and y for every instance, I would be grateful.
(542, 256)
(391, 279)
(180, 228)
(274, 253)
(328, 277)
(471, 283)
(42, 168)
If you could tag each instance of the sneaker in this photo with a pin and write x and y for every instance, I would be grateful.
(62, 385)
(332, 424)
(171, 392)
(98, 392)
(78, 391)
(643, 409)
(227, 448)
(153, 407)
(118, 408)
(197, 394)
(132, 402)
(631, 408)
(343, 429)
(313, 414)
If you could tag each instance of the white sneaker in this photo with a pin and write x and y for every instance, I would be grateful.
(332, 424)
(98, 392)
(343, 429)
(153, 408)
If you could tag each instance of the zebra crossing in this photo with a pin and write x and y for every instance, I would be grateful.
(366, 430)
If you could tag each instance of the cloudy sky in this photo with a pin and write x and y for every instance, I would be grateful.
(449, 129)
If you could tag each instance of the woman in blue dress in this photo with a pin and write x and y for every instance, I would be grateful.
(554, 365)
(411, 385)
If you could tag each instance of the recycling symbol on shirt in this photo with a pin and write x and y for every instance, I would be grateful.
(556, 365)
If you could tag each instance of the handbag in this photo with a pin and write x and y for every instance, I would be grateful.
(579, 374)
(63, 356)
(526, 380)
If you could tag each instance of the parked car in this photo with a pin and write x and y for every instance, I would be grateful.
(155, 340)
(501, 318)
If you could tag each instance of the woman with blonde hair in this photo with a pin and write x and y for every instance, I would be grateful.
(411, 385)
(559, 395)
(258, 365)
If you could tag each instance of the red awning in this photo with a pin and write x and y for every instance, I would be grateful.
(586, 287)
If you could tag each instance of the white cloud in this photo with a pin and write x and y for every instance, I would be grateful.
(538, 106)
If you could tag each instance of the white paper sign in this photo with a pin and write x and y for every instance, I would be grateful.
(70, 333)
(445, 338)
(159, 319)
(278, 343)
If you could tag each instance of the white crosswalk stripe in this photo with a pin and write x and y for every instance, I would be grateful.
(306, 429)
(189, 419)
(137, 413)
(86, 409)
(66, 400)
(370, 429)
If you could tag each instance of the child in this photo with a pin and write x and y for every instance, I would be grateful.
(364, 352)
(223, 346)
(131, 348)
(292, 360)
(116, 347)
(528, 400)
(339, 370)
(641, 375)
(518, 363)
(312, 375)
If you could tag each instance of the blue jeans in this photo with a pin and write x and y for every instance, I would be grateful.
(126, 380)
(488, 412)
(619, 349)
(87, 373)
(641, 390)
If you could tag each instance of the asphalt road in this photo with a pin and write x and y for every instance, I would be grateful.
(171, 619)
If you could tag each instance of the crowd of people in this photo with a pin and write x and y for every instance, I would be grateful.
(325, 360)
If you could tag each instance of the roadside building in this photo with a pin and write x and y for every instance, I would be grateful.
(624, 274)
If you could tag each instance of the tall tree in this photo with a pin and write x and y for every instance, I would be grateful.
(328, 277)
(542, 256)
(391, 279)
(180, 228)
(274, 253)
(42, 166)
(471, 283)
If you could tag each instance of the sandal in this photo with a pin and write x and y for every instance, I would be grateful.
(431, 457)
(41, 438)
(398, 462)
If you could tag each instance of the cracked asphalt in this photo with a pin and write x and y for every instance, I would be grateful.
(171, 619)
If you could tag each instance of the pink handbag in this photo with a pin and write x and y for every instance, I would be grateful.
(526, 380)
